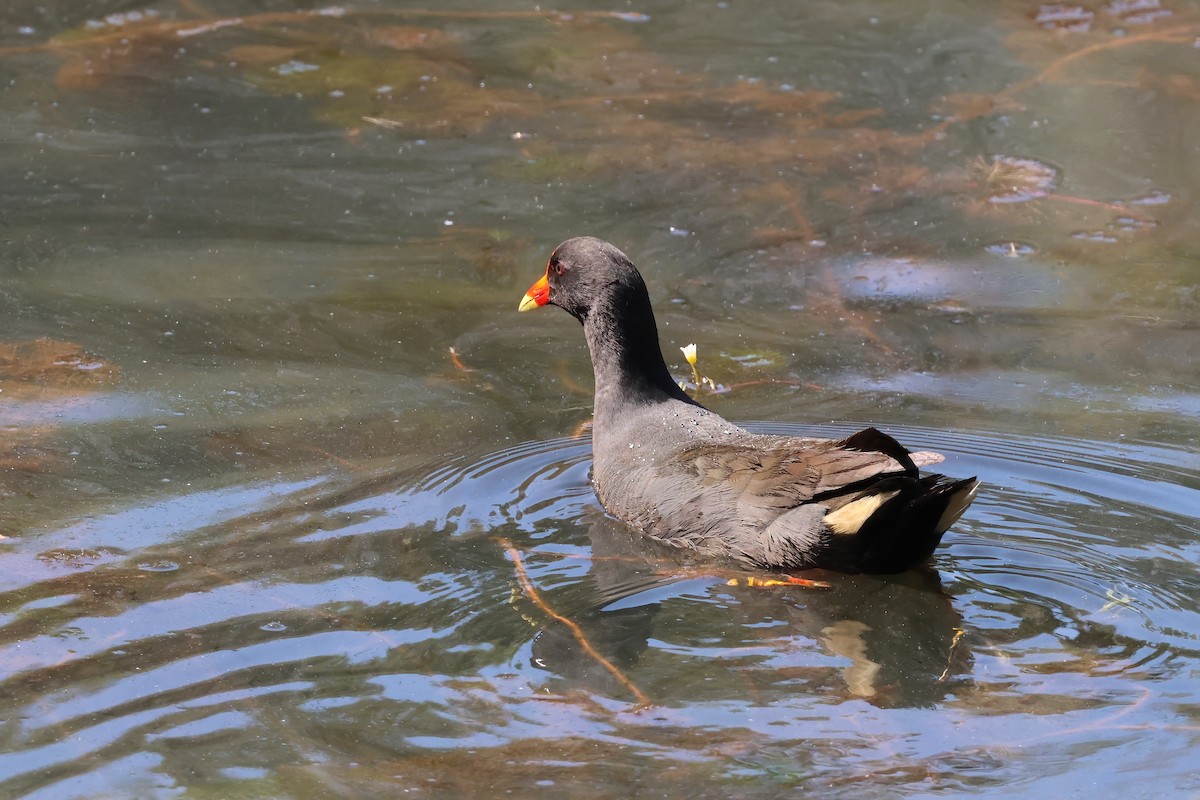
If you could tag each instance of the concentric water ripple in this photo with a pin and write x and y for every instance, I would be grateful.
(387, 608)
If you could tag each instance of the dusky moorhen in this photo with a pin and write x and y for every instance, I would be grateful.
(671, 468)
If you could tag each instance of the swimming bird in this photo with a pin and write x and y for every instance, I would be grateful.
(682, 474)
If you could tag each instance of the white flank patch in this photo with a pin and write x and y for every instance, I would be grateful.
(848, 519)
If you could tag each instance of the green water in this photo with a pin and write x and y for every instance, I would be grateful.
(272, 433)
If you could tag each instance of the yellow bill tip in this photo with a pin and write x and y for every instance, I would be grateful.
(537, 296)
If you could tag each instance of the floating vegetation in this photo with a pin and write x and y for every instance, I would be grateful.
(585, 94)
(52, 365)
(42, 374)
(430, 72)
(1009, 179)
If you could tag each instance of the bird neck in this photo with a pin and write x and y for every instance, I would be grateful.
(628, 364)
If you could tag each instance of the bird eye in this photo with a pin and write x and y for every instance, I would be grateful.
(557, 267)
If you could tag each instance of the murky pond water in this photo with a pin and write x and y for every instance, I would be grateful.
(294, 504)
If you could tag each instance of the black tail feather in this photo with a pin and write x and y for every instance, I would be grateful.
(903, 532)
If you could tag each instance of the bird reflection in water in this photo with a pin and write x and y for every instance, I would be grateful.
(892, 641)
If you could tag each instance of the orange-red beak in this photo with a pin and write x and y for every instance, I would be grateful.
(537, 296)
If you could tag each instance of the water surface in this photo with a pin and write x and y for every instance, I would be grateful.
(296, 505)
